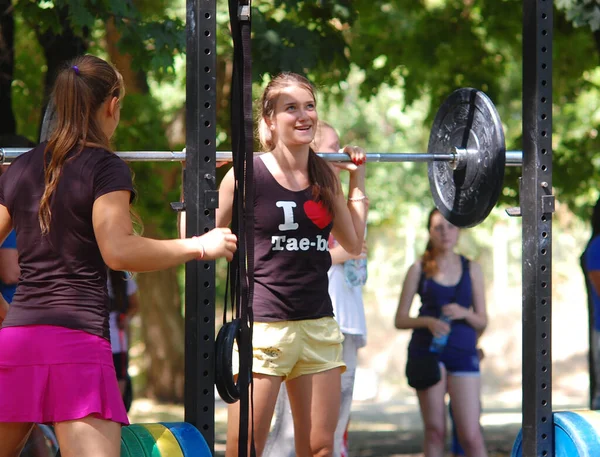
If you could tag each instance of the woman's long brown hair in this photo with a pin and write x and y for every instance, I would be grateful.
(324, 184)
(430, 266)
(79, 91)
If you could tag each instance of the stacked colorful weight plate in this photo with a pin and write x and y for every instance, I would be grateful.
(169, 439)
(576, 434)
(190, 440)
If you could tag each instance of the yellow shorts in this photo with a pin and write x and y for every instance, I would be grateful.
(295, 348)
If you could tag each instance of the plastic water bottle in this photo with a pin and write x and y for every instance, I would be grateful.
(438, 343)
(355, 270)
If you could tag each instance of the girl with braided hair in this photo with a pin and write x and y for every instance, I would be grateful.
(453, 308)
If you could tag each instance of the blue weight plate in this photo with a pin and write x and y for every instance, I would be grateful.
(190, 440)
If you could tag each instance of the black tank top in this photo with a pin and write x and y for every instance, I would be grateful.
(291, 252)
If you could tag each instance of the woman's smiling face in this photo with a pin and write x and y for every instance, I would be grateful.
(295, 117)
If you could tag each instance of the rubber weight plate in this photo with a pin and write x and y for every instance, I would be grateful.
(190, 440)
(125, 450)
(224, 380)
(165, 440)
(145, 439)
(466, 194)
(132, 444)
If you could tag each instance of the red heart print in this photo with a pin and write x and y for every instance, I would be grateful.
(317, 213)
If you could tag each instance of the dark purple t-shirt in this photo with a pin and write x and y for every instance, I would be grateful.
(63, 275)
(291, 252)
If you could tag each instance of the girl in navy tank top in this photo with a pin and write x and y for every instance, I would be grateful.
(453, 305)
(298, 201)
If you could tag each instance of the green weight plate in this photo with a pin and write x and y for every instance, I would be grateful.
(124, 449)
(132, 444)
(144, 439)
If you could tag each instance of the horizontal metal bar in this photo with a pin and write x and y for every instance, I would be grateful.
(391, 157)
(513, 158)
(7, 155)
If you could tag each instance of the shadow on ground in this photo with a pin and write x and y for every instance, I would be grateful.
(376, 430)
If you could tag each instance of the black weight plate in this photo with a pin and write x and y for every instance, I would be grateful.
(224, 378)
(467, 119)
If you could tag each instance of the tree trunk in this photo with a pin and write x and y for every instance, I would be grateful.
(8, 125)
(135, 81)
(59, 49)
(176, 129)
(162, 323)
(225, 71)
(163, 332)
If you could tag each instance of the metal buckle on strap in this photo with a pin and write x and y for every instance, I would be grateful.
(244, 13)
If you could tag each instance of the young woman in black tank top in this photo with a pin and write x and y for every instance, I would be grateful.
(450, 286)
(298, 201)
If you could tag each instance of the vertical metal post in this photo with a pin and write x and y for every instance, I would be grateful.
(200, 202)
(537, 205)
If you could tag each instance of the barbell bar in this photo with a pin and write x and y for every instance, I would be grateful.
(466, 156)
(513, 158)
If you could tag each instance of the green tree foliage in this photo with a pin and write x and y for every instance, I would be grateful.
(151, 37)
(148, 42)
(581, 12)
(303, 37)
(439, 46)
(382, 68)
(383, 123)
(143, 128)
(428, 48)
(146, 31)
(28, 81)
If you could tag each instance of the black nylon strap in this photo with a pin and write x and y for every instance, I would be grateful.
(241, 274)
(247, 314)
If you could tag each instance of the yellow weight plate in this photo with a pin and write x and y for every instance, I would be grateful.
(166, 442)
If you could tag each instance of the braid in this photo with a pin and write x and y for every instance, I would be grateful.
(430, 266)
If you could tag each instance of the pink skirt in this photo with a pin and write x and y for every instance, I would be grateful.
(53, 374)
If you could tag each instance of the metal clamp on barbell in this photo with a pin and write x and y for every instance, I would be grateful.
(459, 158)
(178, 206)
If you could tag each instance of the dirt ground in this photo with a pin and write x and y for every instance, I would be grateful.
(377, 429)
(394, 430)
